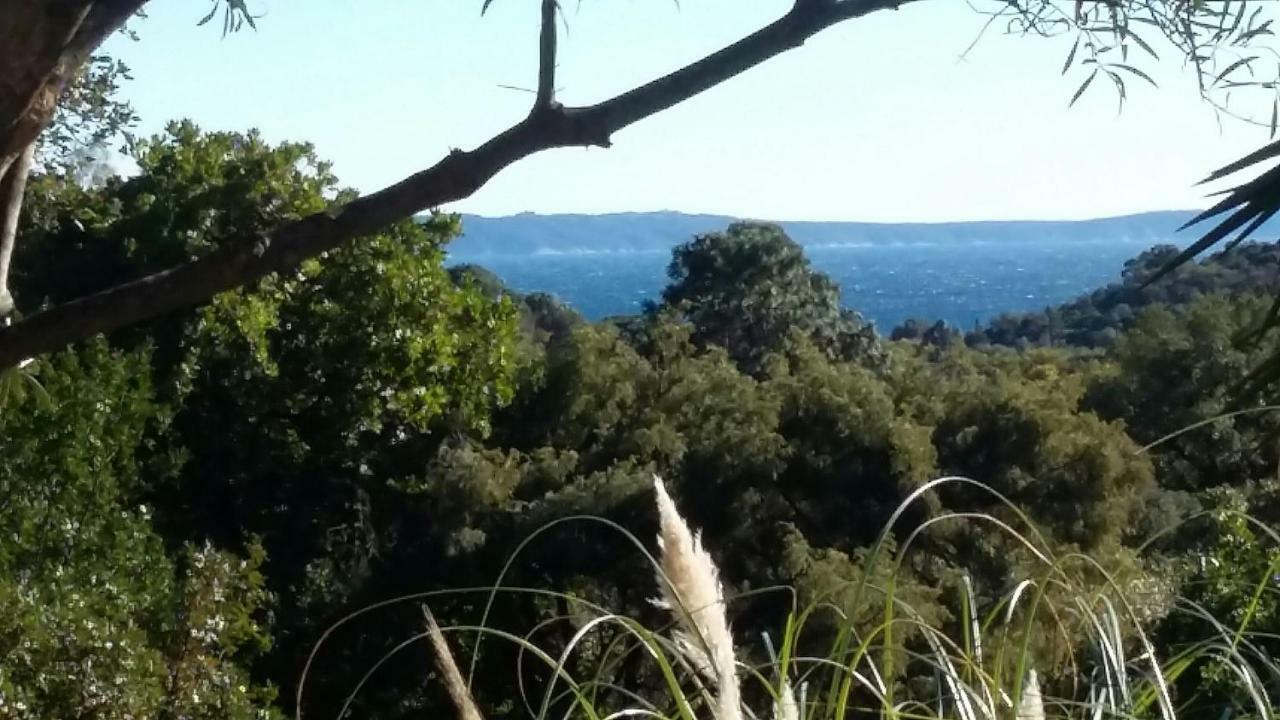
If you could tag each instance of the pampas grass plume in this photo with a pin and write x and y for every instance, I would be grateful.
(787, 708)
(692, 592)
(463, 702)
(1032, 705)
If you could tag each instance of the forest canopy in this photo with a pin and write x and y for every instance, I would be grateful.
(370, 445)
(243, 409)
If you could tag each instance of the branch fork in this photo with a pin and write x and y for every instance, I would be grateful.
(459, 174)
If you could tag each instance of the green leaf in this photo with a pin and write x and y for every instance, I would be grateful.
(1263, 29)
(1144, 45)
(1119, 83)
(212, 11)
(1242, 62)
(1235, 25)
(1083, 86)
(241, 10)
(1135, 71)
(1071, 56)
(1223, 14)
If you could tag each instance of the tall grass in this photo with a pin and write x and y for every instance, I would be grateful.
(981, 666)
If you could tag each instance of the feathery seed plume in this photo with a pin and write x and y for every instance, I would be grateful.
(691, 591)
(787, 709)
(1032, 705)
(453, 682)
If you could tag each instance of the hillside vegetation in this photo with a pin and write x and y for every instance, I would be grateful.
(190, 505)
(1098, 318)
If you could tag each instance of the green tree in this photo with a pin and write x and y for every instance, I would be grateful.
(1232, 593)
(1184, 370)
(99, 617)
(1019, 427)
(332, 388)
(749, 288)
(90, 114)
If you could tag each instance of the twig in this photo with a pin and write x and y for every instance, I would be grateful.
(547, 56)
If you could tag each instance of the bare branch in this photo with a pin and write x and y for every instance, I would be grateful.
(787, 33)
(547, 55)
(13, 184)
(455, 177)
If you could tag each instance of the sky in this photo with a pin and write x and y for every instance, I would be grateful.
(883, 118)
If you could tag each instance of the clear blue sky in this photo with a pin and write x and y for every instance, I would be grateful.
(877, 119)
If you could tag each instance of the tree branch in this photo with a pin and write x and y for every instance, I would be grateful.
(455, 177)
(13, 184)
(547, 55)
(806, 19)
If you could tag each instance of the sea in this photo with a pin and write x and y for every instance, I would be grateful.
(966, 283)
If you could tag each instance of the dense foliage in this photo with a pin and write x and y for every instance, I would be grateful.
(97, 617)
(750, 289)
(191, 504)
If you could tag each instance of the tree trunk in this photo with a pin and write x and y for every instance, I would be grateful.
(43, 44)
(13, 184)
(42, 47)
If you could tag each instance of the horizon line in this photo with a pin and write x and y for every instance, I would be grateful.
(729, 216)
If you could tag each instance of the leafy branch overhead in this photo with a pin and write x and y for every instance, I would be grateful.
(1219, 40)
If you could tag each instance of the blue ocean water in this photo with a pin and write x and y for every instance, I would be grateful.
(964, 283)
